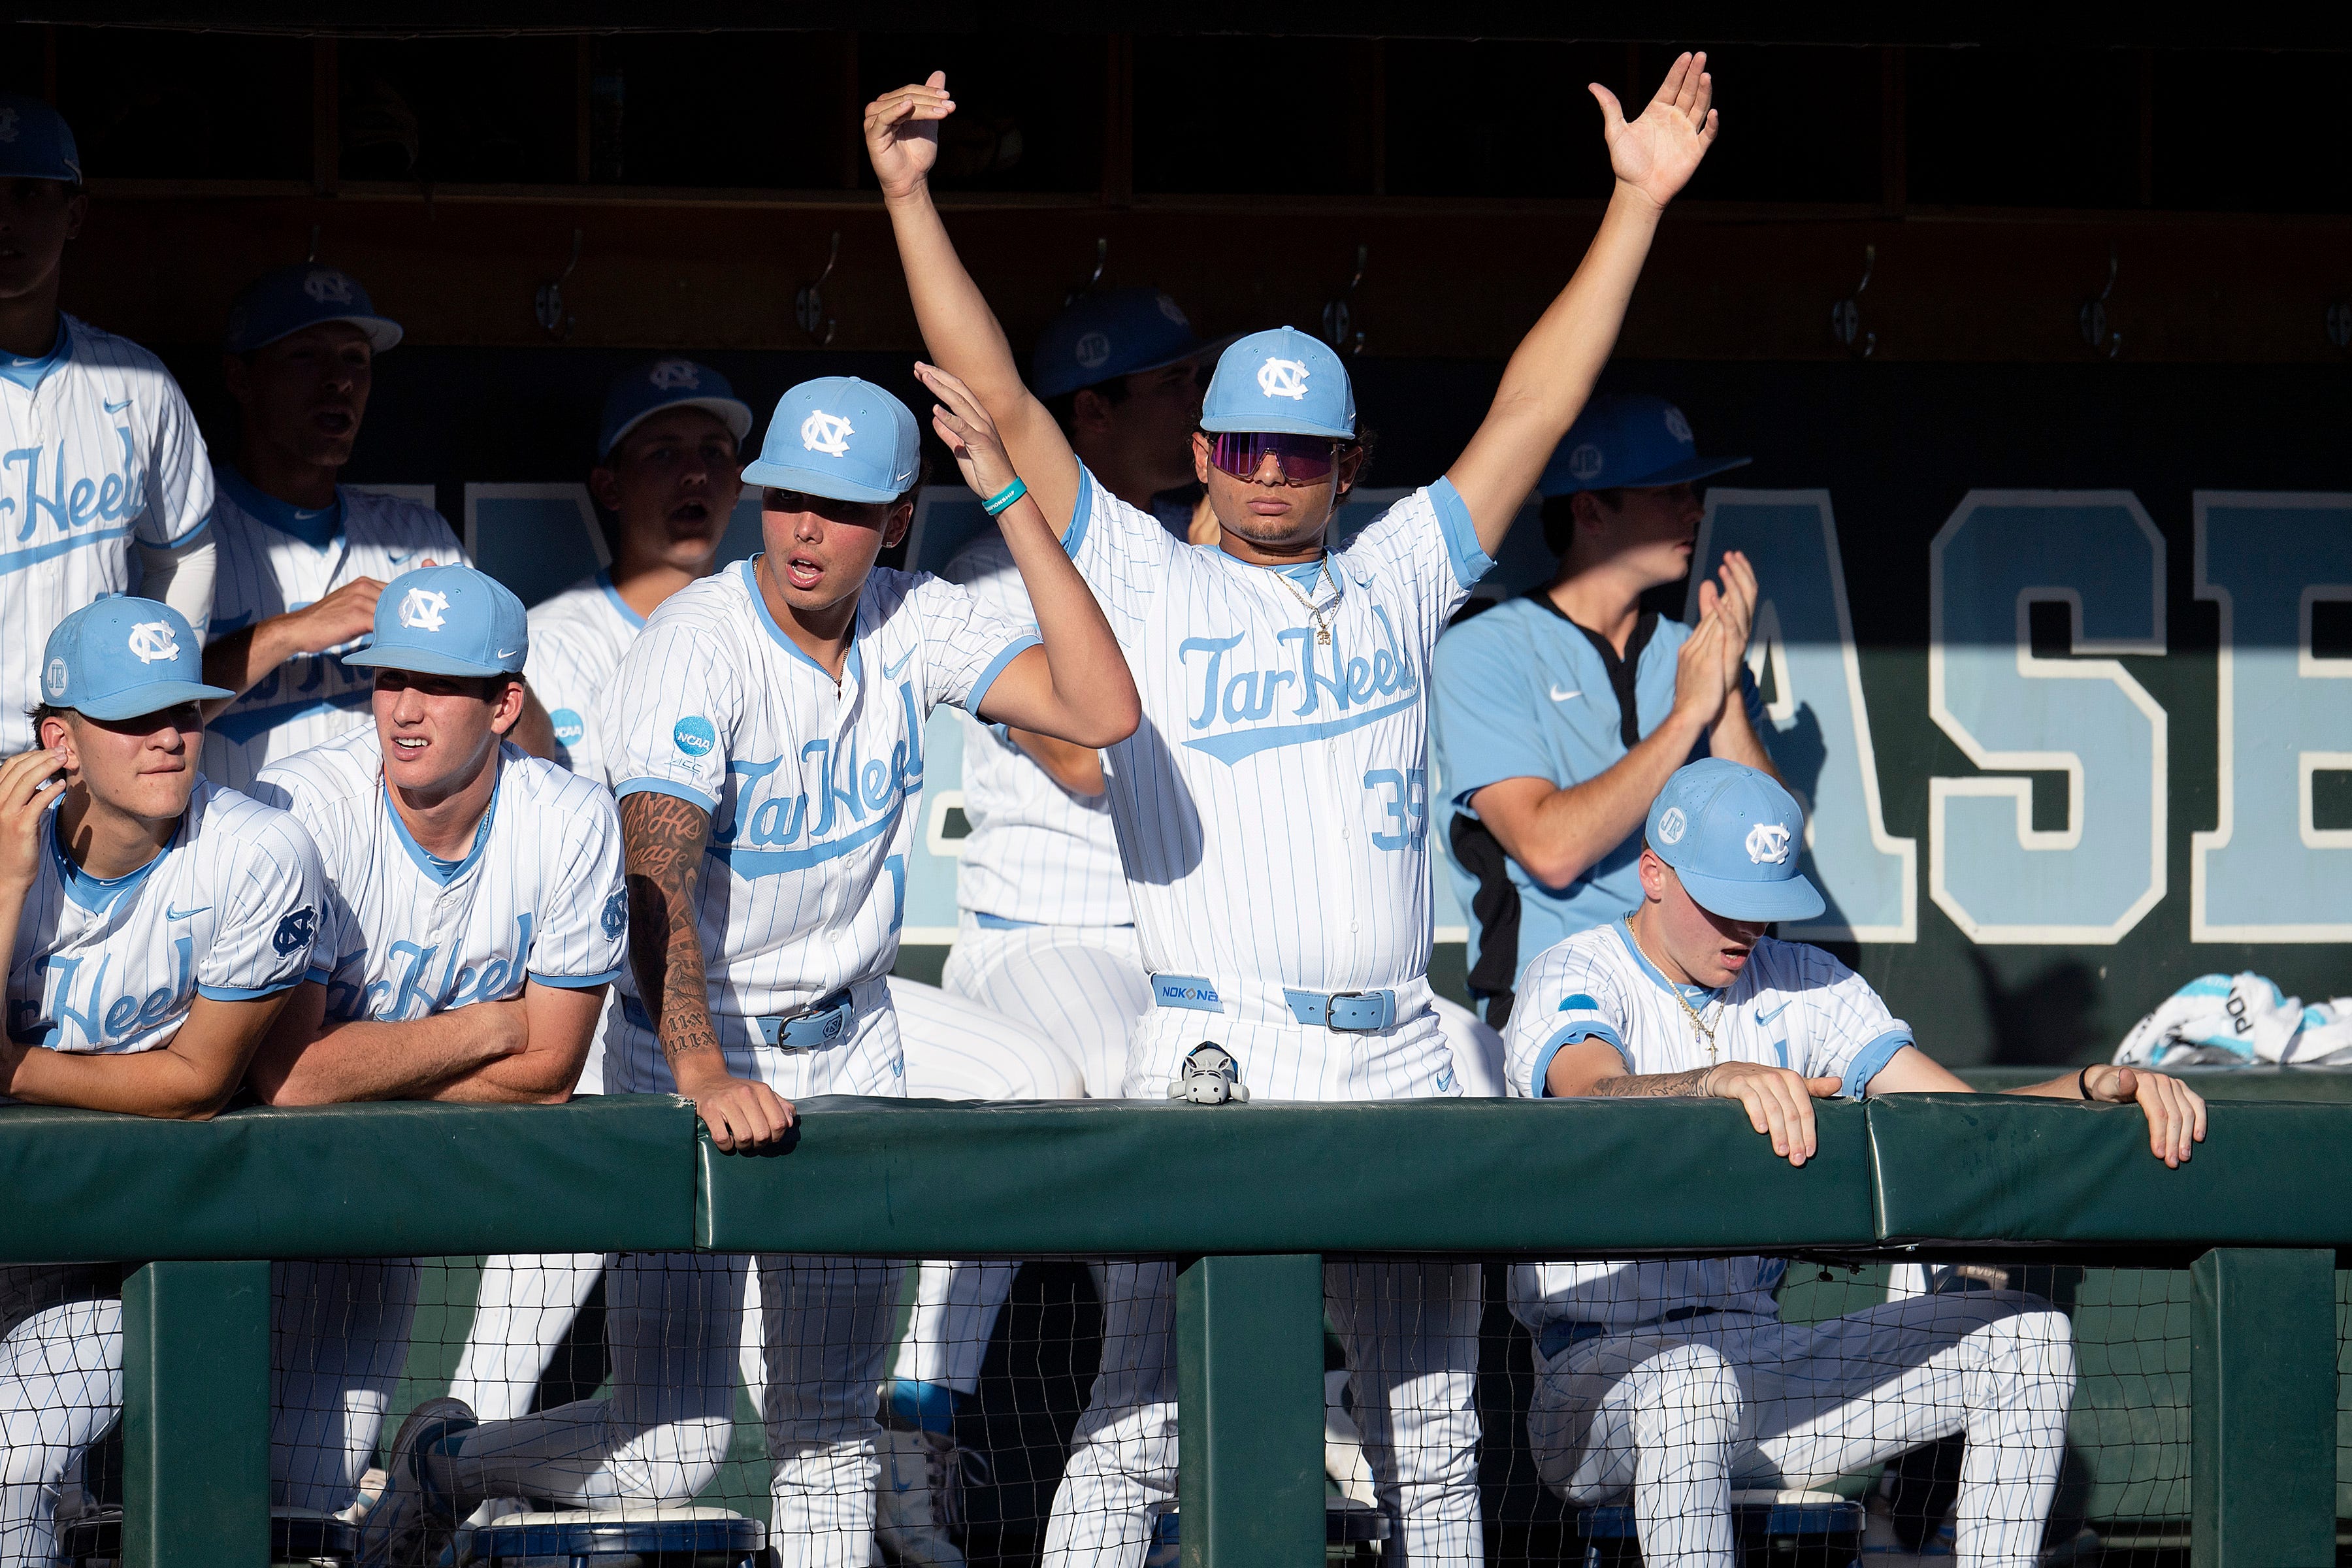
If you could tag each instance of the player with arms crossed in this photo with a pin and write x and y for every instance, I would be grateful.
(302, 557)
(1675, 1379)
(99, 458)
(1272, 809)
(155, 925)
(475, 916)
(767, 735)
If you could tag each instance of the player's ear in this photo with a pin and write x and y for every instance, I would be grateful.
(506, 709)
(1352, 463)
(900, 519)
(1201, 455)
(606, 486)
(57, 735)
(77, 209)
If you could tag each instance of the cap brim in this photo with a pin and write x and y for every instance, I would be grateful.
(814, 482)
(382, 332)
(1682, 473)
(141, 700)
(1074, 380)
(736, 416)
(422, 662)
(1274, 424)
(1793, 900)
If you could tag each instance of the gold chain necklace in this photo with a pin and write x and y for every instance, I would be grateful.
(1701, 1030)
(1319, 615)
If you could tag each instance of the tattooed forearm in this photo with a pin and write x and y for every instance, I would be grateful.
(1653, 1086)
(664, 838)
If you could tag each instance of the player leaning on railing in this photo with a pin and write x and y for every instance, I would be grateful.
(1675, 1379)
(1273, 808)
(155, 925)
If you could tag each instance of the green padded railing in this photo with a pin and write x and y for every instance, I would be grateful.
(1248, 1198)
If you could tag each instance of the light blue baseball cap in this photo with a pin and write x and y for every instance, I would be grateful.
(284, 299)
(446, 620)
(36, 142)
(639, 393)
(1101, 337)
(118, 657)
(1733, 837)
(1282, 381)
(842, 437)
(1631, 441)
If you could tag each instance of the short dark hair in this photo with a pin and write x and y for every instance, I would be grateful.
(922, 478)
(1560, 515)
(1064, 407)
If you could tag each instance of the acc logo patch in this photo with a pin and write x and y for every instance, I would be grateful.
(1586, 462)
(1283, 378)
(1679, 427)
(54, 678)
(1767, 844)
(295, 931)
(694, 736)
(568, 726)
(327, 287)
(152, 640)
(674, 373)
(615, 917)
(422, 608)
(826, 433)
(1672, 825)
(1092, 349)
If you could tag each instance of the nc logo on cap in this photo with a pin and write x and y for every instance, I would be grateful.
(421, 609)
(1679, 427)
(1092, 350)
(1768, 843)
(1283, 378)
(1586, 461)
(153, 640)
(1671, 825)
(55, 677)
(327, 287)
(826, 433)
(676, 372)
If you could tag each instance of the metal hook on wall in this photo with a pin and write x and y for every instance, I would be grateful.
(2092, 317)
(808, 305)
(1093, 279)
(1340, 329)
(1845, 316)
(548, 304)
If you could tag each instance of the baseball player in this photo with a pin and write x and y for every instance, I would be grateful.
(1272, 808)
(302, 558)
(103, 484)
(1556, 717)
(1675, 1378)
(766, 730)
(475, 916)
(155, 924)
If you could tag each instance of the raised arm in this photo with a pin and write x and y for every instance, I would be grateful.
(1076, 687)
(243, 659)
(959, 331)
(1548, 378)
(664, 837)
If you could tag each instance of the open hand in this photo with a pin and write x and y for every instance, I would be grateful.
(347, 612)
(1657, 154)
(1780, 1104)
(966, 430)
(2175, 1112)
(1735, 604)
(1699, 688)
(902, 132)
(29, 782)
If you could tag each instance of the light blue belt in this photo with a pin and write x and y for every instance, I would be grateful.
(1358, 1012)
(987, 922)
(824, 1023)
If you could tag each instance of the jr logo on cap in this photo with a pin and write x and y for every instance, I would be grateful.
(1671, 825)
(826, 433)
(1283, 378)
(1767, 844)
(327, 287)
(1092, 350)
(154, 640)
(1679, 427)
(1585, 462)
(54, 678)
(676, 372)
(422, 608)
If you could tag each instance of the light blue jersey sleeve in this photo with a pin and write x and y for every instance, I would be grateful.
(277, 902)
(670, 717)
(1569, 993)
(1847, 1032)
(581, 937)
(966, 645)
(1123, 554)
(1478, 711)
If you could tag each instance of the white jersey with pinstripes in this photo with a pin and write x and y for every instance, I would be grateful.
(577, 638)
(1036, 852)
(1790, 1005)
(812, 786)
(100, 456)
(229, 910)
(538, 897)
(263, 571)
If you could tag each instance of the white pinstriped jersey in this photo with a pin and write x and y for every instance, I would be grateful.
(540, 896)
(1273, 808)
(263, 571)
(229, 910)
(577, 638)
(102, 454)
(1036, 853)
(813, 788)
(1790, 1005)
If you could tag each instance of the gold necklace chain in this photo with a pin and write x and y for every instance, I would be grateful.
(1317, 615)
(1701, 1029)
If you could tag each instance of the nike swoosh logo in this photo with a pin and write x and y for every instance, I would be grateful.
(506, 652)
(890, 672)
(118, 407)
(172, 914)
(1764, 1017)
(393, 560)
(1559, 696)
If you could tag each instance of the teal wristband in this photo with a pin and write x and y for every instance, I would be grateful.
(1006, 496)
